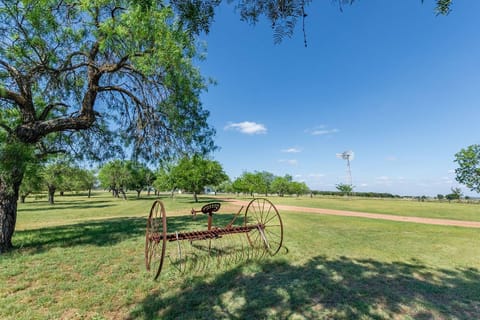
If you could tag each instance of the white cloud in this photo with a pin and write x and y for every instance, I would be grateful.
(316, 175)
(292, 162)
(321, 130)
(291, 150)
(247, 127)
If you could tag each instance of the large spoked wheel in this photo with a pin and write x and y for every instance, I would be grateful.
(156, 238)
(269, 231)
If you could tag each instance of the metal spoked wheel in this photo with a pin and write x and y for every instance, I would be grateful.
(269, 231)
(156, 238)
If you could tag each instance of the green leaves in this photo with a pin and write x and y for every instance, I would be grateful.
(194, 173)
(344, 188)
(468, 172)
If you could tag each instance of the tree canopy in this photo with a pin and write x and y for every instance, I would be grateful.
(194, 173)
(72, 65)
(265, 182)
(344, 188)
(468, 171)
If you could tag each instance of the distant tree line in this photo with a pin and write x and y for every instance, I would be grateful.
(190, 174)
(59, 175)
(358, 194)
(264, 183)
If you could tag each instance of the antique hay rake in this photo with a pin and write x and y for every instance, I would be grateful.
(262, 226)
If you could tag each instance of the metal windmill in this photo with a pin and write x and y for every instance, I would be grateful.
(347, 155)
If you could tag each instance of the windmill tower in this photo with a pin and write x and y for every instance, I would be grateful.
(347, 155)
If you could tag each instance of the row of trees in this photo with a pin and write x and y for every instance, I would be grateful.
(263, 182)
(190, 174)
(61, 175)
(56, 176)
(119, 176)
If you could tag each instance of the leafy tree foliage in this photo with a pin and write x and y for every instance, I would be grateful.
(246, 183)
(265, 182)
(254, 182)
(298, 188)
(115, 177)
(281, 185)
(344, 188)
(32, 181)
(164, 180)
(194, 173)
(225, 186)
(58, 175)
(84, 180)
(455, 195)
(468, 172)
(140, 176)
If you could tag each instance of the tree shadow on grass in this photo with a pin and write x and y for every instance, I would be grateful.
(62, 205)
(101, 232)
(322, 288)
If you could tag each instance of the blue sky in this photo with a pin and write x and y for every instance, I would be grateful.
(389, 80)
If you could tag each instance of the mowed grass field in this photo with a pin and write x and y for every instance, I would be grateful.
(84, 259)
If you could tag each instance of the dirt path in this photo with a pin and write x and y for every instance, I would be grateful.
(442, 222)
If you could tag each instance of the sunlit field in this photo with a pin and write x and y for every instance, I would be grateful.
(84, 259)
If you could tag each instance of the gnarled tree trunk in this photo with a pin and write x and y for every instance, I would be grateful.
(9, 186)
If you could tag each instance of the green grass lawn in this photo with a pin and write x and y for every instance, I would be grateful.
(83, 259)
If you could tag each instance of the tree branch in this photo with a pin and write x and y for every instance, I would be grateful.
(49, 108)
(22, 100)
(111, 68)
(123, 91)
(6, 128)
(44, 151)
(14, 97)
(33, 132)
(13, 72)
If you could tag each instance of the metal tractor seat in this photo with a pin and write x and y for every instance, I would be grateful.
(210, 208)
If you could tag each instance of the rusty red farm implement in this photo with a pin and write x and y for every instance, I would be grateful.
(261, 224)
